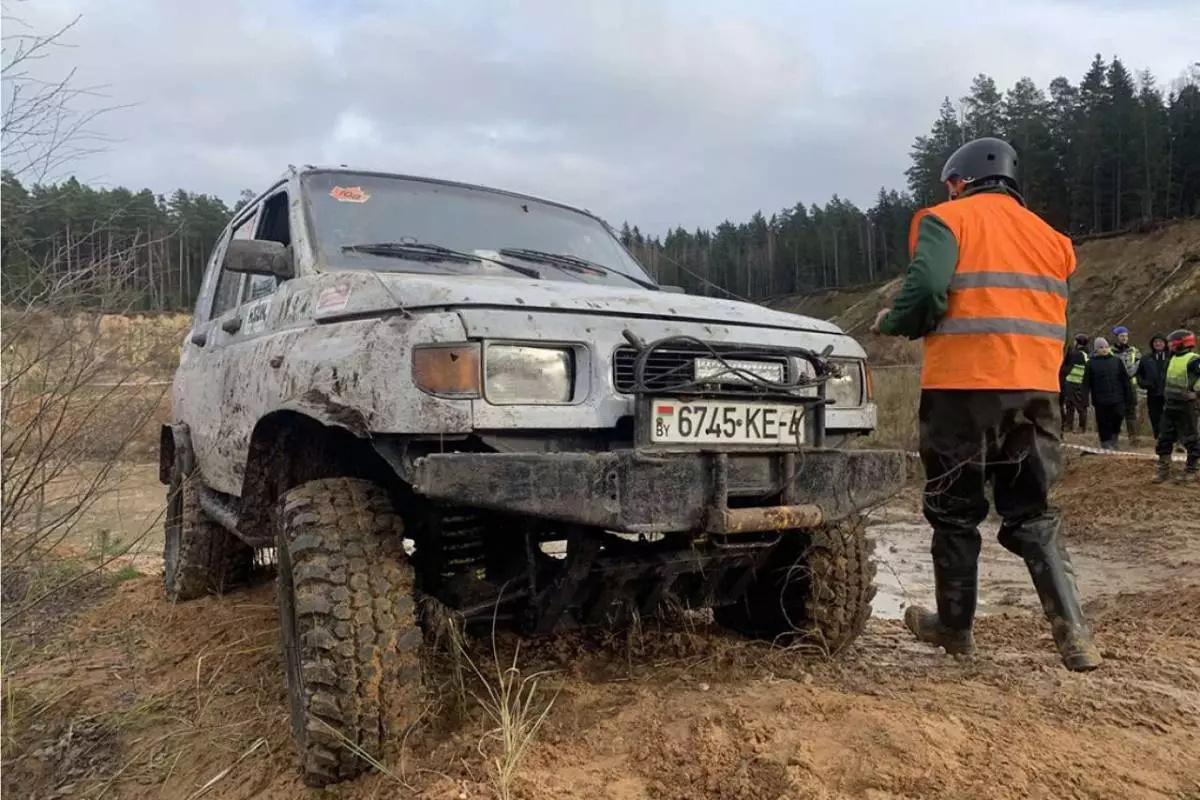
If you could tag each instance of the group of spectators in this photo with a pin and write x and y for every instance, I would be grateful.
(1107, 377)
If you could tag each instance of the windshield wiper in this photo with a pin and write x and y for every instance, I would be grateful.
(569, 262)
(421, 251)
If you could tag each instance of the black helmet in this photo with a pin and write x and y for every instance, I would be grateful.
(1081, 339)
(981, 159)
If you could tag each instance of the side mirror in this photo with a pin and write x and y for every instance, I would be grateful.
(673, 289)
(259, 257)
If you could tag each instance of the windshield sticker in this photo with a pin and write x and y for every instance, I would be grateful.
(334, 298)
(349, 194)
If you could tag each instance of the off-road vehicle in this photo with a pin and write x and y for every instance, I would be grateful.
(430, 395)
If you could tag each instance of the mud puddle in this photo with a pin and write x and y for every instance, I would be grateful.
(905, 570)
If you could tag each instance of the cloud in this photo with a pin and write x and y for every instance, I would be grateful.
(661, 112)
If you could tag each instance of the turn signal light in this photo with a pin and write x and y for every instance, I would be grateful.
(447, 370)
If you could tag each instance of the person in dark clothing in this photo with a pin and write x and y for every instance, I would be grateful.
(1107, 383)
(1070, 378)
(1179, 413)
(1129, 356)
(1152, 376)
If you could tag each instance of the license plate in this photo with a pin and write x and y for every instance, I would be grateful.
(719, 422)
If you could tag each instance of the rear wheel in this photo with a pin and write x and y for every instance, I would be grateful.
(199, 556)
(351, 643)
(816, 586)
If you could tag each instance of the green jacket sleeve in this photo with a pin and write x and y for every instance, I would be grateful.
(922, 299)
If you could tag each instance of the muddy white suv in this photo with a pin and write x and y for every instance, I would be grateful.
(432, 397)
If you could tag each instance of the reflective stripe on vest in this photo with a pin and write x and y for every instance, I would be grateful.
(1129, 357)
(1179, 383)
(1075, 374)
(1007, 313)
(1008, 280)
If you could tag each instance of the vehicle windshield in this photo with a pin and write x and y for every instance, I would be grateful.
(364, 221)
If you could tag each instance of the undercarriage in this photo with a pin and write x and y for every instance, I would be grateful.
(683, 530)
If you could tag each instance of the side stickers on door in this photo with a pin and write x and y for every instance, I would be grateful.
(256, 316)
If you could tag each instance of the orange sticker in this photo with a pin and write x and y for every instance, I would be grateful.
(349, 194)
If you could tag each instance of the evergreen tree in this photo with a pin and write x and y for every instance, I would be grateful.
(929, 154)
(984, 109)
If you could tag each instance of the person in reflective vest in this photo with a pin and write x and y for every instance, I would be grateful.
(1074, 395)
(986, 289)
(1178, 422)
(1129, 356)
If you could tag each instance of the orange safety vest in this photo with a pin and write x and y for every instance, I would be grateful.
(1006, 320)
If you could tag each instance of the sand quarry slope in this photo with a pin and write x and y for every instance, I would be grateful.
(1147, 281)
(115, 693)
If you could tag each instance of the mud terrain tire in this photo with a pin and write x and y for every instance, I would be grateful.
(199, 556)
(351, 644)
(816, 586)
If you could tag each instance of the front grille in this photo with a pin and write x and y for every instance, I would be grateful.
(669, 367)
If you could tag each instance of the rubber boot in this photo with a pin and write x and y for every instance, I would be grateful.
(1054, 579)
(1189, 475)
(950, 626)
(1162, 470)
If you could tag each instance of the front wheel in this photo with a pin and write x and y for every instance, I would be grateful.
(816, 586)
(351, 643)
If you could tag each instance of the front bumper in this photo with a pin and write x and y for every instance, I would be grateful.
(648, 491)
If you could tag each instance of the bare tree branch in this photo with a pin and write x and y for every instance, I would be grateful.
(46, 122)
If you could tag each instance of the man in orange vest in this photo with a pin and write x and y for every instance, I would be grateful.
(986, 288)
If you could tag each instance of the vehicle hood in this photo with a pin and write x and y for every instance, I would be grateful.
(412, 292)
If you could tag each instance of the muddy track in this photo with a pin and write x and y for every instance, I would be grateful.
(132, 697)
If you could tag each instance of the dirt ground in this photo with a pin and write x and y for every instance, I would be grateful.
(125, 696)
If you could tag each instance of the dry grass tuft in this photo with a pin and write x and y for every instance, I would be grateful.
(513, 703)
(897, 398)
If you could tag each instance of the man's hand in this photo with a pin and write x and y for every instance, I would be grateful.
(879, 321)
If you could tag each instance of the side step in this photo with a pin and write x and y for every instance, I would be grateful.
(223, 510)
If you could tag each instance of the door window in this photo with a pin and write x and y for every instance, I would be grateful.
(272, 227)
(229, 284)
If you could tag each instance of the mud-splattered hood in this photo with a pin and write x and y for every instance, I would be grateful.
(414, 292)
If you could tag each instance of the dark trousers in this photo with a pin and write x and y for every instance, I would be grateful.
(1154, 407)
(1131, 419)
(1108, 423)
(1178, 424)
(1070, 408)
(968, 439)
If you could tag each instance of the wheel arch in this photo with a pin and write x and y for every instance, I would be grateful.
(299, 443)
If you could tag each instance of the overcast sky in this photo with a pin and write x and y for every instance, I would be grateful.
(660, 112)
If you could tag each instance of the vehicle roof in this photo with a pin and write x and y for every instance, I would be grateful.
(312, 168)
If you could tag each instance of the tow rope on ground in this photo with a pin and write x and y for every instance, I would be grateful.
(1096, 451)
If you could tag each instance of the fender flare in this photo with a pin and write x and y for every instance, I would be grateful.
(175, 445)
(325, 409)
